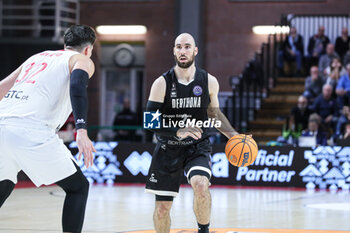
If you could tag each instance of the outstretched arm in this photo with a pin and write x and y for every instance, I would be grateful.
(7, 83)
(82, 70)
(214, 109)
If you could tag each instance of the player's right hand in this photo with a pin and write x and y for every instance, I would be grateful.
(85, 147)
(193, 132)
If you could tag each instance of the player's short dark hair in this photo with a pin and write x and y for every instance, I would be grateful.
(78, 36)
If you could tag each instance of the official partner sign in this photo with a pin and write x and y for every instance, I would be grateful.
(322, 167)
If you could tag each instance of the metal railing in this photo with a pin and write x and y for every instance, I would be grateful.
(254, 84)
(37, 18)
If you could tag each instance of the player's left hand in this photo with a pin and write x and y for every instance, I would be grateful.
(85, 147)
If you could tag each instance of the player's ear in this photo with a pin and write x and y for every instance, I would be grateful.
(195, 51)
(86, 50)
(174, 51)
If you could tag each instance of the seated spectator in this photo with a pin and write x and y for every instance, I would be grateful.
(343, 86)
(297, 121)
(292, 50)
(346, 59)
(317, 46)
(315, 130)
(347, 131)
(342, 43)
(334, 72)
(326, 59)
(344, 139)
(125, 118)
(299, 116)
(313, 84)
(343, 119)
(326, 107)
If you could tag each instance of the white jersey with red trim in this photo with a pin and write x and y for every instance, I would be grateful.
(41, 91)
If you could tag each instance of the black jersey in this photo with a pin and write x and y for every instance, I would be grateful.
(186, 103)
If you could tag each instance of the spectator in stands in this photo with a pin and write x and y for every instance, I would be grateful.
(292, 50)
(342, 43)
(334, 72)
(299, 115)
(346, 59)
(343, 86)
(315, 130)
(297, 121)
(326, 59)
(125, 118)
(317, 46)
(343, 119)
(313, 84)
(347, 131)
(326, 106)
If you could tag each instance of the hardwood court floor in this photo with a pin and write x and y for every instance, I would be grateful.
(128, 208)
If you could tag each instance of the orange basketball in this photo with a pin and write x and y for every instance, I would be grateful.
(241, 150)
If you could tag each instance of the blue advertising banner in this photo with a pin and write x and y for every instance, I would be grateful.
(320, 167)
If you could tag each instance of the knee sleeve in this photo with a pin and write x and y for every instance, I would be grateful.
(164, 198)
(200, 173)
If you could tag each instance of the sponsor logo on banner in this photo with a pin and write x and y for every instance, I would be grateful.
(138, 163)
(220, 165)
(105, 167)
(328, 167)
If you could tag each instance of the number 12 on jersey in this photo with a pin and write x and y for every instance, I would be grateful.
(31, 71)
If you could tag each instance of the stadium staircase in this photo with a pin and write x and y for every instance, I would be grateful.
(271, 117)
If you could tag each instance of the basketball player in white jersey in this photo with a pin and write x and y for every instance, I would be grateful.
(35, 101)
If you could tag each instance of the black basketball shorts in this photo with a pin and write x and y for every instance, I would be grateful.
(170, 162)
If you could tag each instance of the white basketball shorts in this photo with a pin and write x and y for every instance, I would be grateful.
(37, 151)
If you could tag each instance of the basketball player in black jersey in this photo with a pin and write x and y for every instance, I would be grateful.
(184, 93)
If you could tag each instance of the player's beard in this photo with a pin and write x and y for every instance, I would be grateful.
(184, 65)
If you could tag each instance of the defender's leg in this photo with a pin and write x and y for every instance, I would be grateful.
(6, 187)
